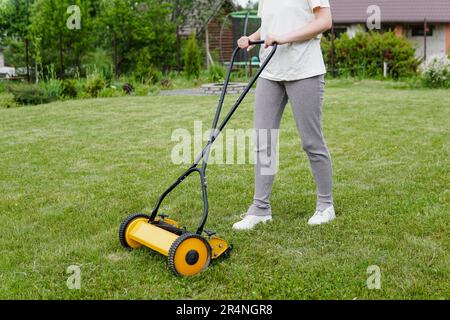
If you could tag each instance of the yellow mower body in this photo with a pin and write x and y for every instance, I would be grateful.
(188, 254)
(152, 237)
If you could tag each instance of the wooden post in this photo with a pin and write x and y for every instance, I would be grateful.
(36, 73)
(175, 15)
(115, 58)
(425, 31)
(332, 51)
(247, 55)
(27, 58)
(178, 49)
(209, 59)
(61, 57)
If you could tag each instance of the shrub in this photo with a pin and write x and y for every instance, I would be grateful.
(53, 88)
(83, 95)
(166, 82)
(144, 71)
(436, 74)
(147, 74)
(239, 75)
(29, 94)
(94, 84)
(146, 90)
(215, 73)
(99, 62)
(364, 55)
(110, 93)
(192, 58)
(7, 101)
(69, 88)
(2, 87)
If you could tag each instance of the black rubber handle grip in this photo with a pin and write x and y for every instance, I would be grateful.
(254, 43)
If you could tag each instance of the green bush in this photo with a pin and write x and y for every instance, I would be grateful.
(365, 54)
(436, 74)
(166, 82)
(215, 73)
(99, 62)
(192, 58)
(2, 87)
(240, 75)
(53, 88)
(7, 101)
(30, 94)
(110, 93)
(83, 95)
(69, 88)
(145, 90)
(147, 74)
(94, 84)
(144, 71)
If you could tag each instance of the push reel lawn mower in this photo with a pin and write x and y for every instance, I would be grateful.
(188, 253)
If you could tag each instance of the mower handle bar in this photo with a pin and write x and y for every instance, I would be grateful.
(254, 43)
(216, 129)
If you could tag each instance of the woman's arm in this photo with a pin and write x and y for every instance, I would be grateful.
(244, 42)
(322, 23)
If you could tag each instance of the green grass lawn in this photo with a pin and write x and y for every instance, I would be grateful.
(70, 172)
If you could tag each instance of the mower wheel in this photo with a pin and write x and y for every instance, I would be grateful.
(126, 226)
(189, 255)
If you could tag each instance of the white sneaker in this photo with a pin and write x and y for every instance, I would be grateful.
(248, 222)
(322, 217)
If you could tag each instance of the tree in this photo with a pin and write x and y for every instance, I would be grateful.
(193, 58)
(138, 29)
(14, 21)
(14, 17)
(192, 13)
(58, 42)
(124, 32)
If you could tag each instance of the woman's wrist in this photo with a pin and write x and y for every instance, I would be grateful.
(254, 37)
(284, 39)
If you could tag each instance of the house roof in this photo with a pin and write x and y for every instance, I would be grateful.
(392, 11)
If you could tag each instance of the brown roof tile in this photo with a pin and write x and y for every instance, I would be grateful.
(403, 11)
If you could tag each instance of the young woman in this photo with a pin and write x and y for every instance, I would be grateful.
(296, 73)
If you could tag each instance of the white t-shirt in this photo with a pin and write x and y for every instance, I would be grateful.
(293, 61)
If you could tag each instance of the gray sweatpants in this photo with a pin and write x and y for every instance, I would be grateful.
(306, 97)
